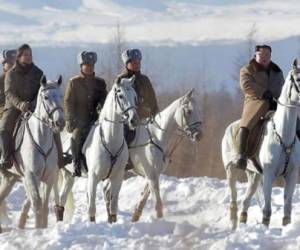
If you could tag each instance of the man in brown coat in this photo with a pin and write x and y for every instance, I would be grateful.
(261, 81)
(22, 83)
(147, 103)
(8, 60)
(84, 96)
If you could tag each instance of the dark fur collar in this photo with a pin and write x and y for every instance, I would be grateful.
(257, 67)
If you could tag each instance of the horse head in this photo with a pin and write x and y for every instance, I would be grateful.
(126, 100)
(50, 104)
(188, 116)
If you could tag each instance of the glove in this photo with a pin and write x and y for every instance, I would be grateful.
(24, 106)
(69, 126)
(267, 95)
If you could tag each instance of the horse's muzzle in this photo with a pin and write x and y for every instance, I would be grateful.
(197, 136)
(59, 125)
(133, 121)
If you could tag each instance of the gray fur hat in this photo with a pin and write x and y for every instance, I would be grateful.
(8, 56)
(87, 57)
(130, 54)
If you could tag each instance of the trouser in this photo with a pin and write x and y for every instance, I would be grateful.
(7, 126)
(79, 136)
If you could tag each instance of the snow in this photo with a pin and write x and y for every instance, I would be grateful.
(159, 22)
(195, 217)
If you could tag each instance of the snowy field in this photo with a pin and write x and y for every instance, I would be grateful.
(196, 217)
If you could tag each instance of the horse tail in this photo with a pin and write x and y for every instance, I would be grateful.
(69, 206)
(65, 182)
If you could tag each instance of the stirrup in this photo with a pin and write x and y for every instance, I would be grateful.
(67, 158)
(77, 172)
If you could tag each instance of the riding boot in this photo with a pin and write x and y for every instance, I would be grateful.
(63, 158)
(298, 134)
(76, 158)
(242, 139)
(5, 149)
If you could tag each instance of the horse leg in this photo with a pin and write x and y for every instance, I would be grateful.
(92, 187)
(267, 189)
(289, 188)
(140, 206)
(253, 181)
(107, 197)
(8, 180)
(154, 187)
(116, 183)
(46, 189)
(32, 189)
(231, 173)
(24, 213)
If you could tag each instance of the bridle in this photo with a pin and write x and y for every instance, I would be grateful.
(123, 109)
(49, 112)
(121, 106)
(185, 129)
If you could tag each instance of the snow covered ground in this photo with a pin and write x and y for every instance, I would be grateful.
(196, 217)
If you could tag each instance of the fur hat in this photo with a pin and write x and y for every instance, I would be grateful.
(263, 46)
(8, 56)
(130, 54)
(87, 57)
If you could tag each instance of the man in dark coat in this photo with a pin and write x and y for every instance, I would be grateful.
(22, 83)
(84, 96)
(8, 60)
(261, 81)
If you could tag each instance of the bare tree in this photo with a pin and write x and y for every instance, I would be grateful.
(112, 65)
(244, 56)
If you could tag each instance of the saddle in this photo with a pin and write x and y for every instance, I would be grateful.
(255, 136)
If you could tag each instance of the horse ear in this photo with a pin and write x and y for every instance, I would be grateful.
(295, 63)
(59, 81)
(190, 93)
(43, 81)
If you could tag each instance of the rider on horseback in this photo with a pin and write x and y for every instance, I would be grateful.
(146, 103)
(22, 83)
(84, 96)
(261, 81)
(8, 59)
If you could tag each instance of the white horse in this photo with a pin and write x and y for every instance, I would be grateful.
(151, 149)
(106, 150)
(36, 158)
(279, 154)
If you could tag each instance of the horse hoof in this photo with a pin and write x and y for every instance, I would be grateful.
(92, 219)
(243, 217)
(136, 216)
(59, 212)
(112, 218)
(266, 221)
(286, 220)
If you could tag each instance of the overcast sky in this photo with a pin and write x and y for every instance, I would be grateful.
(158, 22)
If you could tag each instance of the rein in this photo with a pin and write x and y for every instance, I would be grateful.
(187, 127)
(286, 149)
(50, 113)
(113, 157)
